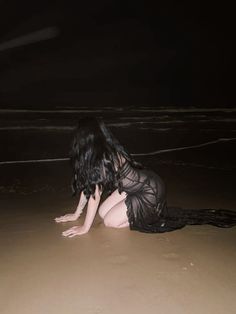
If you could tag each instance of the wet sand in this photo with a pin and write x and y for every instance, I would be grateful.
(107, 270)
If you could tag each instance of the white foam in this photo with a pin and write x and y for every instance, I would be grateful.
(11, 162)
(35, 127)
(146, 117)
(120, 124)
(185, 147)
(49, 111)
(223, 120)
(69, 128)
(182, 110)
(156, 129)
(127, 110)
(196, 165)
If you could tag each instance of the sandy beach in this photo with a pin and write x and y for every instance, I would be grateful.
(158, 74)
(113, 271)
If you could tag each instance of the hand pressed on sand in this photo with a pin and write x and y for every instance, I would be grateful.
(74, 231)
(92, 207)
(74, 216)
(66, 218)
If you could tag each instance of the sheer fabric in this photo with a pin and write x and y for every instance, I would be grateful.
(147, 210)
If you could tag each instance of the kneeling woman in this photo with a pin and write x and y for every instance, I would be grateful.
(137, 197)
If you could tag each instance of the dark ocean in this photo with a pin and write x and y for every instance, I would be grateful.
(193, 136)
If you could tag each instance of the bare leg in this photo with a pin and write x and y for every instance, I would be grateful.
(110, 202)
(124, 225)
(117, 217)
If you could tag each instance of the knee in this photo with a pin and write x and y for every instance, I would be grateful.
(109, 222)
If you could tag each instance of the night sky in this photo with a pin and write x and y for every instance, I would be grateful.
(116, 53)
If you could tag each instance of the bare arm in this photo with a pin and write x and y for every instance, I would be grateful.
(74, 216)
(82, 202)
(92, 209)
(91, 212)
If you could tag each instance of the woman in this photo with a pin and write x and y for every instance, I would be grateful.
(136, 196)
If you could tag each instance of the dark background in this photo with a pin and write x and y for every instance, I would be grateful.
(117, 53)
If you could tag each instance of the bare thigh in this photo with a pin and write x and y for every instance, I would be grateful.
(110, 202)
(117, 217)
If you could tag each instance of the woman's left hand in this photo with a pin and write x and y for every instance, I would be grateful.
(74, 231)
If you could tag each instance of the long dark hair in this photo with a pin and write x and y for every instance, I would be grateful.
(96, 157)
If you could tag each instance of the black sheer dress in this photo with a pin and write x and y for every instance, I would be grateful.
(147, 209)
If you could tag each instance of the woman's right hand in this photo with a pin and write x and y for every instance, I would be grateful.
(66, 218)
